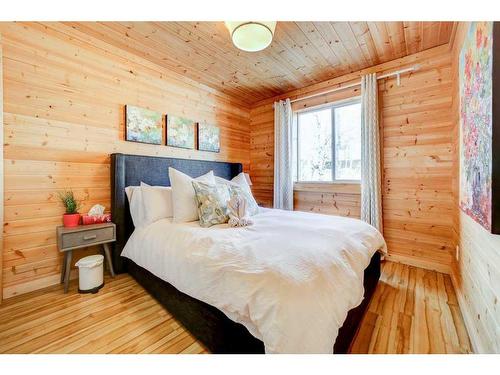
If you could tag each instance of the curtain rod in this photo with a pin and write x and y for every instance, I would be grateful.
(397, 73)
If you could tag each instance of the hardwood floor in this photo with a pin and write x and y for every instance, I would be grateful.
(413, 311)
(121, 318)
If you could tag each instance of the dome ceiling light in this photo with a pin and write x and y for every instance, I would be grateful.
(251, 36)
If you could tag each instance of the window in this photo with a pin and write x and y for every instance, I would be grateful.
(327, 144)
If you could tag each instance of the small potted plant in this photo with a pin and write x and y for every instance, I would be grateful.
(71, 218)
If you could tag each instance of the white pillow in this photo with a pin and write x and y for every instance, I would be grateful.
(134, 195)
(157, 202)
(240, 181)
(129, 190)
(184, 203)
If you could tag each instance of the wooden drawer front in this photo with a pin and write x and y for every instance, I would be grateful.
(87, 237)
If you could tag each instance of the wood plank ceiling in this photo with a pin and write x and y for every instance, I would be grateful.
(301, 54)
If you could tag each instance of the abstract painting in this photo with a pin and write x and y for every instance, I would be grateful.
(143, 125)
(208, 137)
(476, 123)
(180, 132)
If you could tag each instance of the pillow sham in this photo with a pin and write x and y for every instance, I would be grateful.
(184, 204)
(157, 202)
(212, 209)
(241, 182)
(129, 191)
(134, 195)
(238, 191)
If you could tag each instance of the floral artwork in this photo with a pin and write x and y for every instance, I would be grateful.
(180, 132)
(208, 138)
(143, 125)
(476, 91)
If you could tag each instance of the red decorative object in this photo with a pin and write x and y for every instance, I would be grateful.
(98, 219)
(71, 220)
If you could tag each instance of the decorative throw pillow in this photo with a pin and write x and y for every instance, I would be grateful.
(252, 206)
(212, 209)
(223, 190)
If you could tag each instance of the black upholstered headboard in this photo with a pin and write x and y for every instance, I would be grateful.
(130, 170)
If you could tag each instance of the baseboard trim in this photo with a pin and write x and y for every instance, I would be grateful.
(30, 286)
(462, 304)
(442, 268)
(469, 326)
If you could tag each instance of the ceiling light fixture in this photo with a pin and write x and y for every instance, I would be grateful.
(251, 36)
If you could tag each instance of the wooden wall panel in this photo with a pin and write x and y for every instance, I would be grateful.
(1, 167)
(476, 273)
(338, 199)
(417, 157)
(64, 98)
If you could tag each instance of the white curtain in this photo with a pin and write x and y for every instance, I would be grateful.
(283, 182)
(371, 194)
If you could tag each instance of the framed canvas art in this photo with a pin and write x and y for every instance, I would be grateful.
(143, 125)
(479, 87)
(180, 132)
(208, 137)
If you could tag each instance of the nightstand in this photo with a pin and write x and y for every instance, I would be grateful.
(69, 239)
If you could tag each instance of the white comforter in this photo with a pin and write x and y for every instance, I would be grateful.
(290, 279)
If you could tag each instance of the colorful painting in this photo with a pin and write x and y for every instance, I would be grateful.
(476, 123)
(143, 125)
(180, 132)
(208, 138)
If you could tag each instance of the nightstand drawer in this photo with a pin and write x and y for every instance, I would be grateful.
(87, 237)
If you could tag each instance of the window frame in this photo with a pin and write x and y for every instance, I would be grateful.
(331, 106)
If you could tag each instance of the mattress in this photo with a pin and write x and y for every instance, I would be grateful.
(290, 278)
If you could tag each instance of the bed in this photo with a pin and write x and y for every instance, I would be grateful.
(194, 264)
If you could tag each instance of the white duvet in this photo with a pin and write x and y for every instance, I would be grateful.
(290, 279)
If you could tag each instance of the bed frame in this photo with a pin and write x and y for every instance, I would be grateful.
(208, 324)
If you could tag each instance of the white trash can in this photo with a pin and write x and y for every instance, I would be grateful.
(90, 274)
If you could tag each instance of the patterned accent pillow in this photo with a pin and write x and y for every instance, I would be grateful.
(252, 206)
(212, 209)
(224, 192)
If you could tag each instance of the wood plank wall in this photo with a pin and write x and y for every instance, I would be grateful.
(64, 96)
(1, 166)
(476, 274)
(417, 158)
